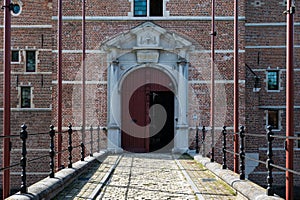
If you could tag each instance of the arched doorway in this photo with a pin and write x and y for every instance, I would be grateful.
(147, 111)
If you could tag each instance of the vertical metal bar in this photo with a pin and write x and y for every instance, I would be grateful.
(83, 70)
(270, 191)
(224, 132)
(212, 92)
(82, 144)
(197, 139)
(289, 98)
(98, 131)
(70, 147)
(242, 153)
(92, 141)
(23, 163)
(6, 102)
(52, 151)
(59, 89)
(236, 89)
(203, 140)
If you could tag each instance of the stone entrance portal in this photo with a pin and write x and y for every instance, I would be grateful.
(149, 61)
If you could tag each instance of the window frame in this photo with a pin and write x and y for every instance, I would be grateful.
(19, 56)
(278, 125)
(22, 99)
(26, 61)
(277, 80)
(164, 13)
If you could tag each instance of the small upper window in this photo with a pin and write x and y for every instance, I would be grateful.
(273, 80)
(30, 61)
(144, 8)
(273, 118)
(140, 8)
(15, 56)
(25, 97)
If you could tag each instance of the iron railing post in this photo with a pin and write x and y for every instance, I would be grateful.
(91, 132)
(203, 140)
(52, 152)
(98, 132)
(242, 153)
(270, 191)
(82, 144)
(197, 140)
(224, 132)
(70, 148)
(23, 163)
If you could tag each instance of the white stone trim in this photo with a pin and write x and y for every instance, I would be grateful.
(270, 47)
(269, 24)
(42, 26)
(216, 81)
(80, 82)
(130, 18)
(79, 51)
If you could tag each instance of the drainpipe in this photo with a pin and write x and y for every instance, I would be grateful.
(212, 92)
(236, 89)
(6, 102)
(83, 71)
(59, 89)
(289, 97)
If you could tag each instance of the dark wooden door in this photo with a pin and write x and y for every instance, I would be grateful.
(136, 102)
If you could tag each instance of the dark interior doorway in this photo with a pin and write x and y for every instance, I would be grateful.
(137, 106)
(163, 139)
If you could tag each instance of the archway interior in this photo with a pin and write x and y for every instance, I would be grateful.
(142, 89)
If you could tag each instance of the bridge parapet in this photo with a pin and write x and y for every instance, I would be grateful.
(48, 188)
(245, 188)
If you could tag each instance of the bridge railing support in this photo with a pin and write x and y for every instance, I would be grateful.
(23, 136)
(269, 162)
(224, 132)
(242, 153)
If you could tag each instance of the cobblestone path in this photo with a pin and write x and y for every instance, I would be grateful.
(210, 186)
(148, 177)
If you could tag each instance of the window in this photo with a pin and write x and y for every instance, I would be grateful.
(298, 141)
(15, 56)
(273, 80)
(25, 97)
(144, 8)
(156, 8)
(140, 8)
(30, 61)
(273, 118)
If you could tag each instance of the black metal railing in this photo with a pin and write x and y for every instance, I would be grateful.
(269, 162)
(68, 141)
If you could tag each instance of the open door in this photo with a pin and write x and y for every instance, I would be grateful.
(137, 129)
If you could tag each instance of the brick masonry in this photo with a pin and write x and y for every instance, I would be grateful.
(257, 49)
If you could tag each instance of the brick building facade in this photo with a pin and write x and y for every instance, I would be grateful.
(127, 44)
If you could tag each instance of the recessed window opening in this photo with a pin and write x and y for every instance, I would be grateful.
(30, 61)
(144, 8)
(25, 97)
(273, 118)
(273, 80)
(15, 56)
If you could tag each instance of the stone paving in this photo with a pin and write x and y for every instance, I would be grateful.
(210, 186)
(149, 176)
(83, 187)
